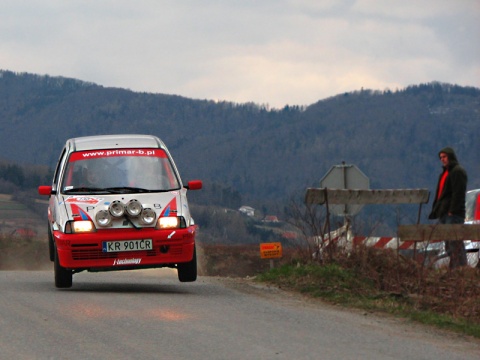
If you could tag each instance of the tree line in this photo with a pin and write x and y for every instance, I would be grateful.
(255, 154)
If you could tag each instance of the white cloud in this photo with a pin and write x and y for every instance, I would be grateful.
(276, 52)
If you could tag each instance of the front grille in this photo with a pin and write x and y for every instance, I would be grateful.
(98, 254)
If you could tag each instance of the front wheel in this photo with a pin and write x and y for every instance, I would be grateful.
(63, 277)
(187, 272)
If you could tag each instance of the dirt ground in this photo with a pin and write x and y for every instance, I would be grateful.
(235, 260)
(24, 254)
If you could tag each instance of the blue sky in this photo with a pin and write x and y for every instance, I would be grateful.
(272, 52)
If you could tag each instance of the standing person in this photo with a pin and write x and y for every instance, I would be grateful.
(449, 203)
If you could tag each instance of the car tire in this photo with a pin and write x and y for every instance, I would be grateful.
(187, 272)
(63, 277)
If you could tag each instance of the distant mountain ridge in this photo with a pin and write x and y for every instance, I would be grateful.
(392, 136)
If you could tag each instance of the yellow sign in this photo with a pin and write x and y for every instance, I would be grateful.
(271, 250)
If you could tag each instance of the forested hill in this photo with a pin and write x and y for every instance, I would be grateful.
(392, 136)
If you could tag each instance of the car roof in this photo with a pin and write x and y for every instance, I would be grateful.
(114, 142)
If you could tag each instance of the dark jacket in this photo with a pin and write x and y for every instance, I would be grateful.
(452, 198)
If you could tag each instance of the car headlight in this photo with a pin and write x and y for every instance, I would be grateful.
(134, 208)
(168, 222)
(148, 216)
(76, 227)
(117, 208)
(103, 218)
(171, 222)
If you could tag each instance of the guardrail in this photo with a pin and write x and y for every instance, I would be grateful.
(406, 233)
(322, 196)
(326, 196)
(439, 232)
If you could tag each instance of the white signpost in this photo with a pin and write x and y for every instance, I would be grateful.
(345, 177)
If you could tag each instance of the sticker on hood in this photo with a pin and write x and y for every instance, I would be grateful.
(83, 200)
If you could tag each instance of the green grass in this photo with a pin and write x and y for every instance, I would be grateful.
(15, 215)
(335, 284)
(11, 206)
(6, 204)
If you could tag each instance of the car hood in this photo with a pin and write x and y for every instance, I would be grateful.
(86, 207)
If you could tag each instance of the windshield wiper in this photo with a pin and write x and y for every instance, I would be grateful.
(84, 189)
(121, 189)
(113, 190)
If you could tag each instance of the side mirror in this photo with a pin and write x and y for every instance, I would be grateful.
(45, 190)
(194, 185)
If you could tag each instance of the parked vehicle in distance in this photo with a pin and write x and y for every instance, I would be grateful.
(472, 216)
(472, 207)
(117, 202)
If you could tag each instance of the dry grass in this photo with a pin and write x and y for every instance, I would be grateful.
(375, 279)
(443, 291)
(23, 253)
(235, 260)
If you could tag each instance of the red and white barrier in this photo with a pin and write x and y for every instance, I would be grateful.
(383, 242)
(344, 237)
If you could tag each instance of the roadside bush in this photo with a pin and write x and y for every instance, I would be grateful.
(388, 281)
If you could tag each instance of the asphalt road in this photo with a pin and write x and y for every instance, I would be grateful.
(150, 315)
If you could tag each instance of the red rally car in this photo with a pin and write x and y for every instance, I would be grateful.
(117, 202)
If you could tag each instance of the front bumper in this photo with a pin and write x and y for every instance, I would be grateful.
(84, 251)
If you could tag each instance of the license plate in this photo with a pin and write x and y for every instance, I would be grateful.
(127, 245)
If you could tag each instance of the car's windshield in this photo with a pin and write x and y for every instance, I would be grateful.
(119, 170)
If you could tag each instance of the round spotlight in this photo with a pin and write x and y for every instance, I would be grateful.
(117, 208)
(134, 208)
(103, 218)
(148, 216)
